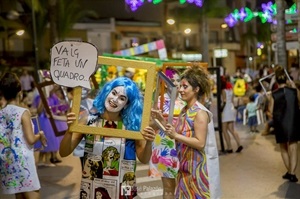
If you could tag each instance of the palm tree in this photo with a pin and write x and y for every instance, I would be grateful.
(249, 39)
(68, 13)
(61, 15)
(280, 34)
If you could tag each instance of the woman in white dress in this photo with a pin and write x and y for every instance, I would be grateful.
(228, 116)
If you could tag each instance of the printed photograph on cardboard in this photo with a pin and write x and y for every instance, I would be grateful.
(92, 167)
(105, 188)
(85, 189)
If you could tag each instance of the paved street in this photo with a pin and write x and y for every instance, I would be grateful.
(255, 173)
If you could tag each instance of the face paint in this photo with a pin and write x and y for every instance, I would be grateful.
(176, 80)
(186, 90)
(116, 99)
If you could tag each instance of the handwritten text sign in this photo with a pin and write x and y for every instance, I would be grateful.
(72, 63)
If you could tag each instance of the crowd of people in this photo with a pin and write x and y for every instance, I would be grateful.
(184, 152)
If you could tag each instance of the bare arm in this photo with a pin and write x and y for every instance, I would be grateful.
(40, 107)
(70, 139)
(223, 96)
(200, 126)
(59, 117)
(29, 135)
(144, 147)
(270, 107)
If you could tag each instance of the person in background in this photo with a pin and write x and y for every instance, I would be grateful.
(269, 123)
(198, 175)
(129, 72)
(26, 81)
(17, 165)
(294, 72)
(251, 109)
(285, 110)
(164, 161)
(120, 102)
(49, 155)
(229, 116)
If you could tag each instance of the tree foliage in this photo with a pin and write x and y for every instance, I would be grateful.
(69, 12)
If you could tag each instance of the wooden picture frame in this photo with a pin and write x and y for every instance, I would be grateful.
(44, 100)
(151, 70)
(270, 76)
(48, 82)
(162, 82)
(262, 79)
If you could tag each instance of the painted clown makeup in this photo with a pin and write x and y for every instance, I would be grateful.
(116, 99)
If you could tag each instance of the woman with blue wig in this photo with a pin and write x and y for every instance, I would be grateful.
(118, 105)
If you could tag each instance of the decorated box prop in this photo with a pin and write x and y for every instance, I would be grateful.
(147, 103)
(158, 46)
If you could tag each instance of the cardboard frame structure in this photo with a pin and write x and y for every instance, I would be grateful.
(76, 127)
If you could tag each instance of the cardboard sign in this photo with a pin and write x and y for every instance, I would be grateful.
(72, 63)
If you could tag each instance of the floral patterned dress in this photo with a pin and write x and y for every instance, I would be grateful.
(164, 160)
(17, 166)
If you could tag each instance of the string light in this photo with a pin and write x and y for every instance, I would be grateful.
(245, 14)
(135, 4)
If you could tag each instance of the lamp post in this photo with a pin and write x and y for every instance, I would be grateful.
(174, 33)
(223, 26)
(35, 45)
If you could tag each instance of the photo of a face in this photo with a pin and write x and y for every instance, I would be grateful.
(92, 169)
(98, 195)
(116, 99)
(84, 190)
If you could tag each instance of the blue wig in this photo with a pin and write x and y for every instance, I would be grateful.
(132, 113)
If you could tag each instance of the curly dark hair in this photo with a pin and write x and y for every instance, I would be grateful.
(198, 77)
(10, 86)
